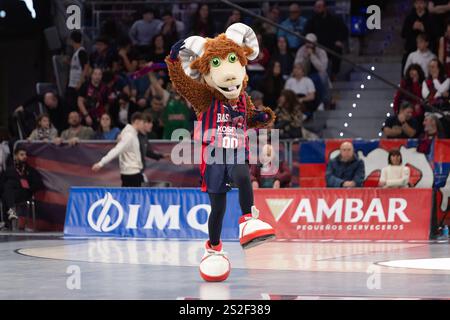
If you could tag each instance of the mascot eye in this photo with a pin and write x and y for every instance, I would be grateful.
(215, 62)
(232, 57)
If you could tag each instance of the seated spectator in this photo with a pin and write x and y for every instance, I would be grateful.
(158, 49)
(331, 32)
(104, 55)
(346, 170)
(422, 56)
(432, 129)
(171, 29)
(289, 116)
(435, 89)
(303, 87)
(257, 67)
(284, 56)
(395, 175)
(402, 125)
(143, 31)
(295, 23)
(93, 99)
(418, 21)
(176, 115)
(272, 84)
(267, 175)
(76, 131)
(202, 23)
(114, 86)
(411, 82)
(444, 50)
(106, 131)
(19, 182)
(122, 110)
(54, 106)
(315, 64)
(127, 57)
(44, 130)
(257, 99)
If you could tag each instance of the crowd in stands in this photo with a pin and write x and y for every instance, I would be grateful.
(102, 88)
(426, 75)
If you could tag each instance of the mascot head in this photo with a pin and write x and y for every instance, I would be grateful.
(220, 62)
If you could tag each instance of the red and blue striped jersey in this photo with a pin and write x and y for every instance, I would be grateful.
(223, 125)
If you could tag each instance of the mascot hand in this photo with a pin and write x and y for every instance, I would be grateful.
(176, 48)
(261, 117)
(238, 122)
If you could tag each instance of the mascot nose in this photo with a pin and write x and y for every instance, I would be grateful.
(230, 77)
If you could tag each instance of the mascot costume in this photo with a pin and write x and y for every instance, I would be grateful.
(211, 75)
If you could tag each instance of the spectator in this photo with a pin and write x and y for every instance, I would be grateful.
(176, 115)
(295, 23)
(444, 50)
(440, 12)
(402, 125)
(417, 22)
(432, 129)
(422, 56)
(256, 67)
(395, 175)
(315, 64)
(127, 57)
(143, 31)
(79, 68)
(202, 23)
(106, 131)
(141, 86)
(268, 31)
(289, 116)
(19, 182)
(93, 99)
(44, 130)
(435, 89)
(267, 175)
(257, 99)
(171, 29)
(53, 106)
(346, 170)
(284, 56)
(331, 32)
(158, 50)
(303, 87)
(115, 85)
(272, 84)
(235, 17)
(122, 110)
(411, 82)
(104, 56)
(76, 131)
(129, 153)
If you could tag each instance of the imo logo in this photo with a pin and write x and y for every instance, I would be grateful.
(103, 222)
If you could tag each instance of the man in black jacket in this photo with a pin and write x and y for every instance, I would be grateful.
(330, 30)
(18, 183)
(417, 22)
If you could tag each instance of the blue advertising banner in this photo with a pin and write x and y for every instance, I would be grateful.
(170, 213)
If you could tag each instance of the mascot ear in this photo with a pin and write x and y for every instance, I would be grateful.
(193, 48)
(244, 36)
